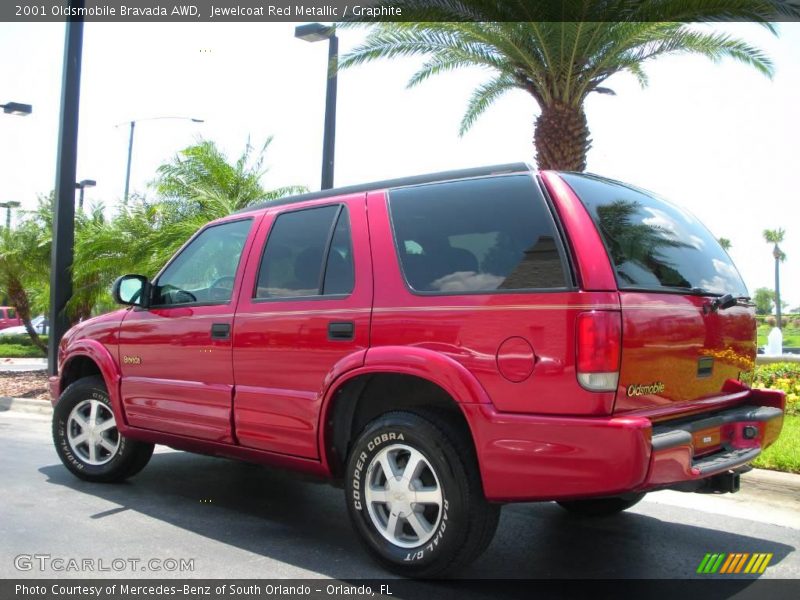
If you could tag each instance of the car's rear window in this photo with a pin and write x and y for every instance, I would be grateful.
(653, 243)
(476, 236)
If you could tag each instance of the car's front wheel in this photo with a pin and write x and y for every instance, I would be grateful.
(414, 495)
(87, 439)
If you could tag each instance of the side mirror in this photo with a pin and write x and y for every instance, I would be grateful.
(131, 290)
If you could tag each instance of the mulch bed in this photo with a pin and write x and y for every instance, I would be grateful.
(25, 384)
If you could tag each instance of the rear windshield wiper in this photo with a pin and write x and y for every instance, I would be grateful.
(665, 289)
(726, 301)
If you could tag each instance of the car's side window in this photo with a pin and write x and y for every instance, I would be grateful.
(204, 272)
(476, 236)
(11, 313)
(308, 253)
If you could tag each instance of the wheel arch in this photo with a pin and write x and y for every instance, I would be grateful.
(393, 379)
(89, 357)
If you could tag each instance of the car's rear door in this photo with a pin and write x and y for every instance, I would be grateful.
(175, 356)
(303, 312)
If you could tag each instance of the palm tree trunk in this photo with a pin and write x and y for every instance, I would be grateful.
(778, 290)
(561, 137)
(19, 299)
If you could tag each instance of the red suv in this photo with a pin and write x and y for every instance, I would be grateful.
(439, 345)
(9, 317)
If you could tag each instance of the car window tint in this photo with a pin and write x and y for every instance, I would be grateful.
(339, 271)
(11, 313)
(204, 271)
(295, 252)
(479, 235)
(655, 244)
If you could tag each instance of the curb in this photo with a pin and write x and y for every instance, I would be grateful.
(28, 405)
(776, 482)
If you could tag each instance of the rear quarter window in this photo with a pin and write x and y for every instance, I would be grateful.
(476, 236)
(654, 244)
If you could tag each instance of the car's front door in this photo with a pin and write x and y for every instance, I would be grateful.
(175, 355)
(303, 315)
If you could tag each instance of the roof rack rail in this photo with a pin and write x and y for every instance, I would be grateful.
(519, 167)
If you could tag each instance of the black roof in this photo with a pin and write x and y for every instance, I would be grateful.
(396, 183)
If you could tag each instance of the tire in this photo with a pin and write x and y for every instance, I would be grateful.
(601, 507)
(450, 528)
(107, 456)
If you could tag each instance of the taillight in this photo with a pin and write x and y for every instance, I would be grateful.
(598, 347)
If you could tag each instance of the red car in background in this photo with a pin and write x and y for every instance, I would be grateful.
(440, 345)
(9, 317)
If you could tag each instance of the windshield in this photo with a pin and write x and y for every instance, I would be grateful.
(654, 244)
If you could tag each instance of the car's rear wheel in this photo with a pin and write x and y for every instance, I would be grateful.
(414, 495)
(87, 439)
(601, 507)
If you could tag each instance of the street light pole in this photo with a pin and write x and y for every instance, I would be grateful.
(128, 169)
(130, 144)
(329, 137)
(64, 209)
(82, 185)
(17, 108)
(8, 206)
(315, 32)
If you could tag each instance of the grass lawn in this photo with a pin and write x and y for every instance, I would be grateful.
(791, 335)
(20, 351)
(783, 455)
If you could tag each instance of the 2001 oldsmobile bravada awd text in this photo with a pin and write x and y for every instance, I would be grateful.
(440, 345)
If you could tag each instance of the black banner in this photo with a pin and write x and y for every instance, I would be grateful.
(393, 10)
(715, 588)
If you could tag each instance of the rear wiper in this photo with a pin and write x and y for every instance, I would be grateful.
(693, 290)
(726, 301)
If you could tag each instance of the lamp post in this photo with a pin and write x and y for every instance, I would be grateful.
(62, 252)
(8, 206)
(82, 185)
(130, 143)
(17, 108)
(315, 32)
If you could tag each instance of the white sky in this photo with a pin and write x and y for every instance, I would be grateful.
(719, 139)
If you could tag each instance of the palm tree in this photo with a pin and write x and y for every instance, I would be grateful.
(558, 52)
(725, 243)
(198, 185)
(775, 237)
(23, 266)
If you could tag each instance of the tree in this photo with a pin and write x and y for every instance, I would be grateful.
(775, 237)
(196, 186)
(23, 260)
(199, 184)
(558, 52)
(725, 243)
(764, 299)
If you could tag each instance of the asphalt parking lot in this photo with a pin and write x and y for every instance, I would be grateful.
(235, 520)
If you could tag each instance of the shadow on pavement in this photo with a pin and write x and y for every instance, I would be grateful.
(305, 523)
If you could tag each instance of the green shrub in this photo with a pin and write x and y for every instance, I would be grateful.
(19, 351)
(781, 376)
(20, 339)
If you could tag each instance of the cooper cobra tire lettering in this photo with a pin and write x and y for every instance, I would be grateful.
(449, 524)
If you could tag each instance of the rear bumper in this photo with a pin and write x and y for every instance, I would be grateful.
(530, 457)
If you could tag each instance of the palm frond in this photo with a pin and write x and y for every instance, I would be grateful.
(483, 97)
